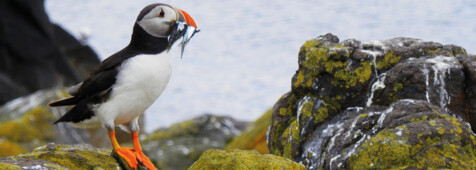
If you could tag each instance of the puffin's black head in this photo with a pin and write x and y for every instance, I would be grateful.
(163, 24)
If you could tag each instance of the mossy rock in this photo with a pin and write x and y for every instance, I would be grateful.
(82, 156)
(254, 136)
(31, 130)
(180, 145)
(334, 76)
(242, 159)
(55, 156)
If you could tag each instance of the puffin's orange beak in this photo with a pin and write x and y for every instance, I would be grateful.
(188, 19)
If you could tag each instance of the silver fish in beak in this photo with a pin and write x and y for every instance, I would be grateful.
(189, 33)
(184, 28)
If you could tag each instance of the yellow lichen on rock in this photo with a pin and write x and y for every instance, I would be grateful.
(5, 166)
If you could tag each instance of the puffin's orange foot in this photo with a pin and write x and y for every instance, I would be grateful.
(128, 155)
(144, 160)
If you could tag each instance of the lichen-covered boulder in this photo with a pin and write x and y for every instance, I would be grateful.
(335, 76)
(407, 134)
(242, 159)
(51, 156)
(178, 146)
(26, 124)
(254, 136)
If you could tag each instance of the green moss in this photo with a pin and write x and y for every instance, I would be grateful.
(397, 86)
(432, 51)
(299, 78)
(311, 43)
(419, 119)
(363, 115)
(440, 130)
(381, 152)
(330, 59)
(349, 78)
(306, 109)
(389, 60)
(291, 136)
(321, 115)
(238, 159)
(283, 111)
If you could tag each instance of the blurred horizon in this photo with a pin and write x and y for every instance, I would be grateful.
(246, 54)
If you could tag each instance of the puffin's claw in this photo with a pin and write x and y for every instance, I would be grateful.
(128, 155)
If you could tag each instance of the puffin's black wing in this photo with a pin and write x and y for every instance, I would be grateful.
(95, 89)
(99, 82)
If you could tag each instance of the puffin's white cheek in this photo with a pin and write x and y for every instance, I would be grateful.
(154, 27)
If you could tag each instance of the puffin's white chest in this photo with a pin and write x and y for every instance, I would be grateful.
(139, 83)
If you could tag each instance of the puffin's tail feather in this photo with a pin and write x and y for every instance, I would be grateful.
(65, 102)
(78, 113)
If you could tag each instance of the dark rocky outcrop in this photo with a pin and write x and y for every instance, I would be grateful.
(341, 94)
(180, 145)
(35, 53)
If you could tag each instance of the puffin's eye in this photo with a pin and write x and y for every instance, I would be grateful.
(162, 13)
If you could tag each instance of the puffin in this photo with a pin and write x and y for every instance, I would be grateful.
(126, 83)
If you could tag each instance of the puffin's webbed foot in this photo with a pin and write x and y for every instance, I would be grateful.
(128, 155)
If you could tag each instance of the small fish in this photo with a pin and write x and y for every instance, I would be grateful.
(184, 31)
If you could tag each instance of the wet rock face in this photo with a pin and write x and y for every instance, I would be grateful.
(335, 77)
(178, 146)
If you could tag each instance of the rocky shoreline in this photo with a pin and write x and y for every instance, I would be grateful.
(398, 103)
